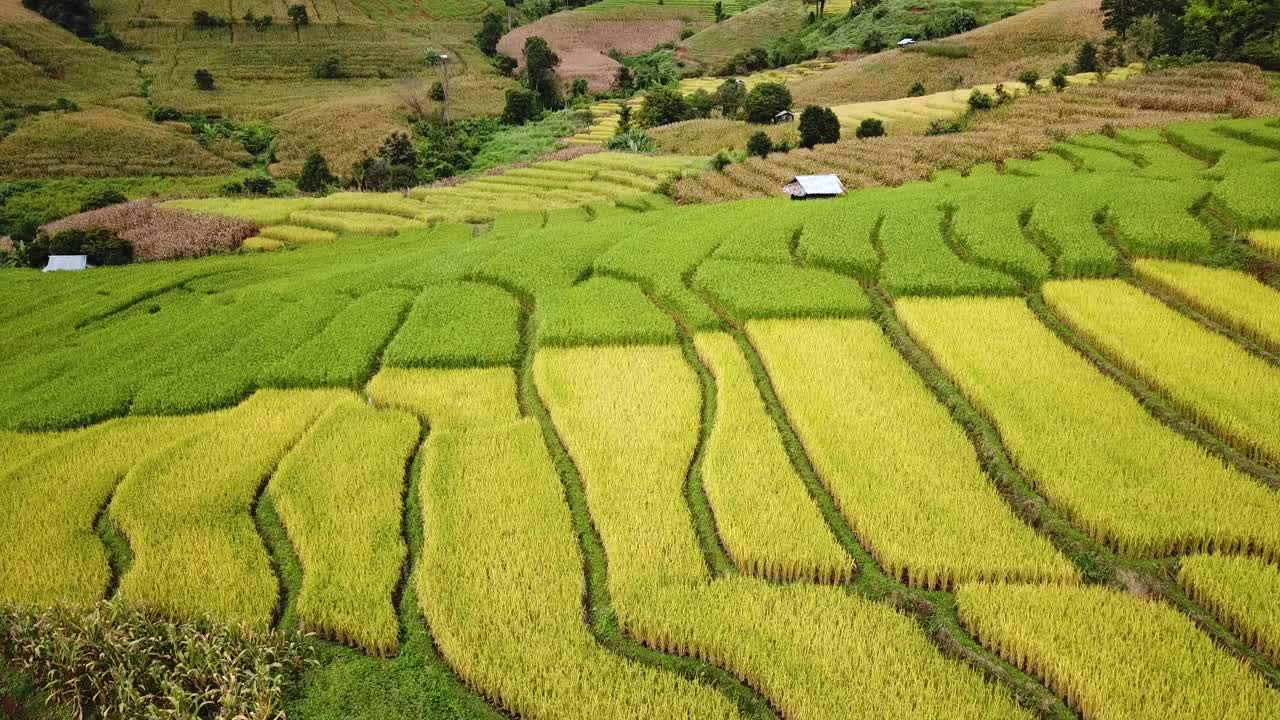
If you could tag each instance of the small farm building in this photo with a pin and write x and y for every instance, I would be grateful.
(808, 187)
(906, 41)
(784, 116)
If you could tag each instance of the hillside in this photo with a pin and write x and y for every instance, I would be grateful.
(748, 29)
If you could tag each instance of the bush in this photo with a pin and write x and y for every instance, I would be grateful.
(202, 20)
(1059, 80)
(102, 198)
(917, 90)
(164, 113)
(662, 106)
(579, 88)
(315, 174)
(204, 79)
(765, 101)
(819, 126)
(521, 106)
(944, 127)
(146, 666)
(505, 64)
(701, 103)
(1030, 78)
(631, 141)
(979, 100)
(874, 42)
(490, 33)
(759, 145)
(330, 68)
(720, 161)
(1087, 58)
(437, 91)
(259, 185)
(869, 128)
(102, 246)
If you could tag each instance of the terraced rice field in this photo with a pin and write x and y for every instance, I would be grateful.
(605, 117)
(995, 446)
(705, 6)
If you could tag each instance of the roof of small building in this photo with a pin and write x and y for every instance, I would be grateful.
(780, 113)
(907, 41)
(805, 185)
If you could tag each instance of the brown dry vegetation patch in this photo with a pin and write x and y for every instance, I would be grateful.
(342, 130)
(584, 39)
(158, 233)
(1022, 129)
(1043, 37)
(102, 142)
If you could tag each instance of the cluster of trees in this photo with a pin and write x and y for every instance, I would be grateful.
(540, 88)
(774, 54)
(1247, 30)
(665, 105)
(205, 20)
(79, 17)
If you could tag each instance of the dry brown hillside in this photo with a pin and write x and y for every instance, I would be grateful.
(1042, 38)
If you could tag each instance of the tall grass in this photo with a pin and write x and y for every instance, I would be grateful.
(1238, 300)
(770, 526)
(338, 493)
(931, 520)
(1220, 385)
(1085, 443)
(187, 512)
(1111, 654)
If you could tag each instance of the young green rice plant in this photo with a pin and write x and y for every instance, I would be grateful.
(1243, 591)
(770, 238)
(771, 528)
(814, 652)
(346, 352)
(295, 235)
(1153, 217)
(502, 574)
(1066, 228)
(338, 494)
(994, 236)
(931, 521)
(449, 399)
(917, 260)
(1268, 241)
(1225, 154)
(1111, 654)
(1215, 381)
(187, 511)
(602, 311)
(1094, 159)
(1248, 194)
(752, 290)
(1237, 300)
(837, 235)
(357, 223)
(1085, 443)
(457, 325)
(50, 552)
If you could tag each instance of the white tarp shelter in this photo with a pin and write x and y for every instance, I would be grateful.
(67, 262)
(804, 187)
(906, 41)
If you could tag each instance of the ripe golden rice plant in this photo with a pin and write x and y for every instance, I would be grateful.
(501, 584)
(1268, 241)
(449, 398)
(338, 494)
(1243, 591)
(1236, 299)
(356, 223)
(629, 417)
(52, 497)
(931, 519)
(1115, 655)
(294, 235)
(1216, 382)
(187, 511)
(1085, 442)
(770, 526)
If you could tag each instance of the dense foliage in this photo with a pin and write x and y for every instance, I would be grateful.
(79, 17)
(1218, 29)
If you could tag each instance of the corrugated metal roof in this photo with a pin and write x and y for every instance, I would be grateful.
(820, 184)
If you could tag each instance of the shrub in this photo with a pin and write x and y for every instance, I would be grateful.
(819, 125)
(521, 106)
(579, 88)
(979, 100)
(759, 145)
(330, 68)
(164, 113)
(631, 141)
(146, 666)
(102, 246)
(1059, 80)
(1087, 58)
(315, 174)
(729, 96)
(102, 198)
(1030, 78)
(202, 20)
(765, 101)
(505, 64)
(720, 161)
(204, 79)
(490, 33)
(874, 42)
(437, 91)
(869, 128)
(259, 185)
(917, 90)
(663, 105)
(944, 127)
(1002, 96)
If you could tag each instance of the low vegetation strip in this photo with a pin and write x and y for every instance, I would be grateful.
(1235, 299)
(449, 398)
(339, 495)
(932, 522)
(457, 325)
(1086, 443)
(52, 498)
(815, 652)
(1243, 591)
(501, 570)
(1114, 655)
(1220, 385)
(770, 526)
(187, 512)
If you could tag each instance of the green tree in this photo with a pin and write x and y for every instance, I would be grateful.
(874, 42)
(718, 10)
(663, 105)
(397, 149)
(1087, 57)
(521, 106)
(579, 88)
(624, 119)
(729, 97)
(540, 64)
(1031, 78)
(1060, 78)
(315, 173)
(818, 126)
(701, 103)
(298, 16)
(490, 33)
(979, 100)
(759, 145)
(869, 128)
(624, 81)
(330, 68)
(765, 101)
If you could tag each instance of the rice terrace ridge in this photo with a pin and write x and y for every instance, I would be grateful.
(620, 359)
